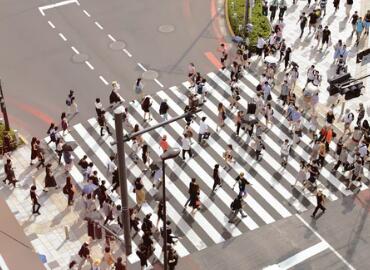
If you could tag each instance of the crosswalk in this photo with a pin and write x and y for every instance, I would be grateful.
(271, 195)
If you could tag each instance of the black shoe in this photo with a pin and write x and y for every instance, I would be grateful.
(312, 216)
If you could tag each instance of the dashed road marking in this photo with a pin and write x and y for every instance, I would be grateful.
(89, 65)
(126, 52)
(111, 38)
(142, 67)
(51, 24)
(161, 85)
(99, 25)
(86, 13)
(75, 50)
(62, 36)
(103, 80)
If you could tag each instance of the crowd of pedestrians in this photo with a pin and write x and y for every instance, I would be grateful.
(251, 125)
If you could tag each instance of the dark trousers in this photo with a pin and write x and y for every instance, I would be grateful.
(35, 204)
(302, 30)
(238, 125)
(319, 206)
(337, 165)
(281, 12)
(258, 154)
(200, 137)
(272, 15)
(234, 213)
(321, 160)
(102, 128)
(184, 152)
(41, 163)
(10, 178)
(70, 198)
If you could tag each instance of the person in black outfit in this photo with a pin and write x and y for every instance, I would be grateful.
(160, 212)
(147, 224)
(141, 253)
(119, 264)
(193, 189)
(103, 123)
(325, 37)
(134, 220)
(303, 22)
(115, 181)
(101, 193)
(68, 189)
(287, 57)
(320, 203)
(173, 258)
(236, 206)
(33, 149)
(9, 172)
(273, 9)
(35, 203)
(163, 109)
(49, 179)
(40, 155)
(216, 178)
(84, 254)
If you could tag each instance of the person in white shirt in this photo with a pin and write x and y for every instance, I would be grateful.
(362, 150)
(310, 74)
(284, 152)
(203, 130)
(260, 45)
(347, 120)
(135, 150)
(111, 166)
(186, 147)
(98, 106)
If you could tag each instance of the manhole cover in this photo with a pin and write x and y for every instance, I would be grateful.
(167, 28)
(150, 75)
(80, 58)
(117, 45)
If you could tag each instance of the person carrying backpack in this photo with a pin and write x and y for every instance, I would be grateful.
(236, 207)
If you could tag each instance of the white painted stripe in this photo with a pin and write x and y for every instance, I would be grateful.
(135, 170)
(271, 143)
(86, 13)
(59, 4)
(62, 36)
(75, 50)
(51, 24)
(3, 265)
(237, 149)
(127, 52)
(103, 80)
(172, 188)
(112, 38)
(324, 171)
(323, 240)
(41, 11)
(141, 66)
(78, 3)
(302, 256)
(207, 179)
(98, 25)
(161, 85)
(89, 65)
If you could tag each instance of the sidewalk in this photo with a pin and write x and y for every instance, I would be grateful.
(47, 231)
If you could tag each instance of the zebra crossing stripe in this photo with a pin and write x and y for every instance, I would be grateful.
(255, 184)
(272, 144)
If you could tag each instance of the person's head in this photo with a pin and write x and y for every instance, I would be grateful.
(63, 115)
(33, 187)
(230, 146)
(185, 135)
(72, 264)
(138, 80)
(222, 45)
(303, 13)
(56, 128)
(8, 161)
(97, 100)
(239, 197)
(326, 27)
(89, 196)
(168, 222)
(48, 165)
(319, 192)
(119, 260)
(204, 118)
(217, 166)
(193, 180)
(107, 249)
(164, 137)
(361, 105)
(148, 216)
(286, 141)
(91, 164)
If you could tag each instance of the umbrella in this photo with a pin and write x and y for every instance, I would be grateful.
(89, 188)
(237, 39)
(271, 60)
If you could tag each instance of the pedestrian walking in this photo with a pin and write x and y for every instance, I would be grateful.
(163, 109)
(114, 97)
(242, 182)
(222, 49)
(139, 191)
(84, 254)
(216, 178)
(348, 4)
(283, 6)
(195, 202)
(145, 106)
(203, 133)
(9, 173)
(347, 120)
(193, 190)
(145, 156)
(40, 155)
(336, 5)
(320, 198)
(238, 121)
(236, 207)
(221, 116)
(103, 124)
(119, 265)
(160, 214)
(68, 161)
(101, 193)
(98, 107)
(69, 190)
(59, 149)
(326, 37)
(138, 88)
(259, 147)
(228, 157)
(261, 43)
(115, 181)
(49, 179)
(186, 147)
(367, 22)
(142, 254)
(284, 152)
(64, 123)
(172, 259)
(318, 35)
(323, 7)
(302, 174)
(35, 203)
(273, 8)
(359, 29)
(71, 102)
(108, 257)
(163, 144)
(302, 23)
(361, 114)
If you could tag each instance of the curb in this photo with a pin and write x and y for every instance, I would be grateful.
(22, 139)
(226, 7)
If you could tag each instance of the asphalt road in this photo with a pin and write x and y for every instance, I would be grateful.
(39, 65)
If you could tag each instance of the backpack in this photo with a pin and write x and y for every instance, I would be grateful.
(65, 191)
(232, 205)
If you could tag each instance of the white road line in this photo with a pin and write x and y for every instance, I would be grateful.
(62, 36)
(89, 65)
(75, 50)
(300, 256)
(63, 3)
(51, 24)
(161, 85)
(86, 13)
(126, 52)
(142, 67)
(112, 38)
(98, 25)
(323, 240)
(103, 80)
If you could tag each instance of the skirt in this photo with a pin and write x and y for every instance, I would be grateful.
(50, 181)
(140, 196)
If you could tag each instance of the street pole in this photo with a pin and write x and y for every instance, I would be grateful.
(3, 109)
(246, 18)
(164, 214)
(125, 215)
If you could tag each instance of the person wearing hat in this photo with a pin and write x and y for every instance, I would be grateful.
(236, 206)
